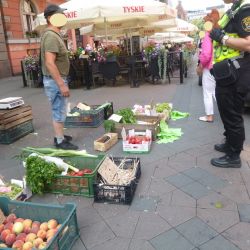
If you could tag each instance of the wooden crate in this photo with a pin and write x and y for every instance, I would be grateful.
(154, 125)
(104, 146)
(14, 117)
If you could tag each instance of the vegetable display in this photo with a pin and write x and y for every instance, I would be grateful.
(10, 190)
(127, 115)
(161, 107)
(40, 174)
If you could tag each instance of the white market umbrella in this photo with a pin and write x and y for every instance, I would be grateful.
(117, 13)
(182, 26)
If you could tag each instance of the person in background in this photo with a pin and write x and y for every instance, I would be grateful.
(205, 64)
(55, 68)
(232, 73)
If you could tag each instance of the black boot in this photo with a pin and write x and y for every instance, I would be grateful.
(223, 147)
(227, 161)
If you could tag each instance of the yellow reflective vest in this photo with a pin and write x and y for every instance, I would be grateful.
(222, 52)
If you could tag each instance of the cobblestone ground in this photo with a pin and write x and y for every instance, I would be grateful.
(181, 202)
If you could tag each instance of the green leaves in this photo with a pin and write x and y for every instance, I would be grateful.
(127, 115)
(40, 174)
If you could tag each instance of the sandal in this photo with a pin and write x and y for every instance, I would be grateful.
(204, 119)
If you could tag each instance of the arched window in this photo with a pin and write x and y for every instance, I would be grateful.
(28, 14)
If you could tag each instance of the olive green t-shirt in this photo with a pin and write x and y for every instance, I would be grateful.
(52, 42)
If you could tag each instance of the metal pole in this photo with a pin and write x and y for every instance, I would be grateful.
(181, 67)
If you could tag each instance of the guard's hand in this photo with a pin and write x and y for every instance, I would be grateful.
(217, 35)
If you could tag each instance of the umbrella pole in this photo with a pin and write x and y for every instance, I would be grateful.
(131, 45)
(106, 31)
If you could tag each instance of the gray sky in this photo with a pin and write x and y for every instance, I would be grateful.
(197, 4)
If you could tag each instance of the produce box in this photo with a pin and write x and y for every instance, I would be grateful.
(10, 190)
(164, 108)
(136, 142)
(12, 134)
(88, 118)
(118, 194)
(146, 122)
(77, 185)
(105, 142)
(65, 215)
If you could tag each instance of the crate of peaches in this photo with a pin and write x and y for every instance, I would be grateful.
(136, 142)
(29, 226)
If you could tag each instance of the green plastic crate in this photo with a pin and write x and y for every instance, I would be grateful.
(67, 234)
(12, 134)
(77, 185)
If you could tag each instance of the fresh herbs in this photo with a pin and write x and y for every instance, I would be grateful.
(127, 115)
(109, 126)
(40, 174)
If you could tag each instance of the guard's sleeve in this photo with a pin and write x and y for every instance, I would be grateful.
(243, 24)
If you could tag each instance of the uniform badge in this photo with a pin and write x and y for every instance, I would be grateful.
(246, 24)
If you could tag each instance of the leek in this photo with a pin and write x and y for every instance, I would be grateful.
(57, 152)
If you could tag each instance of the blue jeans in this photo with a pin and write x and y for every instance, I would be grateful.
(57, 101)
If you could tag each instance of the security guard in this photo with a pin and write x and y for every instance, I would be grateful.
(232, 41)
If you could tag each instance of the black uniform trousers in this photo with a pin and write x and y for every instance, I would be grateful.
(231, 105)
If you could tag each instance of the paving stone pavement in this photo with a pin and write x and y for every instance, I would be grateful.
(181, 201)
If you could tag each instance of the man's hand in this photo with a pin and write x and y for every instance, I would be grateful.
(64, 89)
(217, 35)
(199, 70)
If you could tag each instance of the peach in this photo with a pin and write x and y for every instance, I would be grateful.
(18, 245)
(35, 223)
(10, 239)
(27, 223)
(26, 229)
(37, 242)
(58, 226)
(52, 224)
(51, 233)
(2, 245)
(34, 229)
(4, 234)
(11, 218)
(18, 227)
(42, 245)
(21, 236)
(1, 228)
(27, 246)
(8, 225)
(19, 220)
(41, 234)
(44, 226)
(30, 237)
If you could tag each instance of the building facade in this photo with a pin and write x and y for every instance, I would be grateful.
(16, 36)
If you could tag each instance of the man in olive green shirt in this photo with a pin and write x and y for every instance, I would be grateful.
(55, 68)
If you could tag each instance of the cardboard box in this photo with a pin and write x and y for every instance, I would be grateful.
(143, 147)
(99, 145)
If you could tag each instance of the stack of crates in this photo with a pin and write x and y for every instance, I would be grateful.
(15, 123)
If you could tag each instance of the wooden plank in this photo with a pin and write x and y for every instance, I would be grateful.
(16, 117)
(15, 123)
(5, 113)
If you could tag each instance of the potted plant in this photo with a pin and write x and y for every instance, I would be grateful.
(32, 67)
(108, 53)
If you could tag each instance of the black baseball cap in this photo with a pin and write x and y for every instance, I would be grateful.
(52, 9)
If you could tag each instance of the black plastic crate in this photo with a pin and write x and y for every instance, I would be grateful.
(118, 194)
(12, 134)
(89, 118)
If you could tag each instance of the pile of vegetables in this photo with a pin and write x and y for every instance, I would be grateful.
(127, 115)
(42, 167)
(40, 174)
(161, 107)
(10, 190)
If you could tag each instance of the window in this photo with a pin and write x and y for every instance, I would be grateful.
(28, 14)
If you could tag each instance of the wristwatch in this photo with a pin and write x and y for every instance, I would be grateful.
(224, 39)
